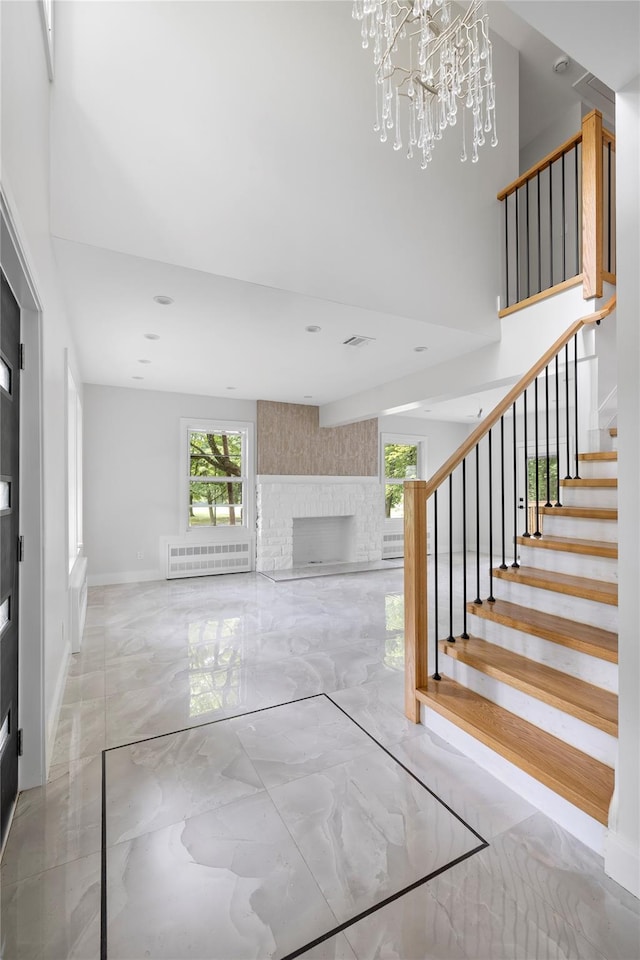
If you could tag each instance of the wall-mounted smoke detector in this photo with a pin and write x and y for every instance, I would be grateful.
(357, 341)
(561, 65)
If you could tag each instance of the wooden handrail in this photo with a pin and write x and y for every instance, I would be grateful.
(492, 418)
(541, 165)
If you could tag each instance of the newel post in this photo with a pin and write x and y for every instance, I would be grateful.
(592, 188)
(415, 594)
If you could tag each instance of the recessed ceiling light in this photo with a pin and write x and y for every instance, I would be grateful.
(163, 300)
(137, 378)
(144, 361)
(420, 349)
(312, 328)
(231, 388)
(152, 336)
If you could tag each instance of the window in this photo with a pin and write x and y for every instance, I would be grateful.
(216, 475)
(542, 480)
(400, 463)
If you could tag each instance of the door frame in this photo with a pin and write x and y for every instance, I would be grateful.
(31, 709)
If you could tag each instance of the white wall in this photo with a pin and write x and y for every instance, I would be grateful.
(621, 856)
(132, 458)
(551, 137)
(25, 183)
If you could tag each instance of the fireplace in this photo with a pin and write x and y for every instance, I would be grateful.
(318, 520)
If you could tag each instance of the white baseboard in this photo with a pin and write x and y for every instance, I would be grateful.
(56, 706)
(622, 862)
(124, 576)
(574, 821)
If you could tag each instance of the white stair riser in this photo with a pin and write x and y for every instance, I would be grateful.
(580, 528)
(589, 497)
(579, 734)
(596, 468)
(598, 568)
(574, 820)
(571, 608)
(581, 665)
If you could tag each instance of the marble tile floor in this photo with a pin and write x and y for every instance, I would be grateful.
(321, 569)
(170, 656)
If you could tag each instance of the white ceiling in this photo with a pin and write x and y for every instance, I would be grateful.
(222, 153)
(222, 333)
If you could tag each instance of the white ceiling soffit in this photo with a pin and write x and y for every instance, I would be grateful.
(236, 140)
(603, 35)
(221, 333)
(470, 409)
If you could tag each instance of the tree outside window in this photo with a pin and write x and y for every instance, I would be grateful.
(400, 464)
(215, 478)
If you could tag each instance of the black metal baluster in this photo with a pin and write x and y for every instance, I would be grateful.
(506, 248)
(609, 220)
(477, 599)
(575, 390)
(536, 532)
(546, 413)
(558, 504)
(528, 251)
(517, 251)
(503, 565)
(451, 637)
(526, 471)
(436, 675)
(564, 226)
(515, 491)
(550, 224)
(464, 634)
(566, 390)
(539, 236)
(577, 198)
(490, 598)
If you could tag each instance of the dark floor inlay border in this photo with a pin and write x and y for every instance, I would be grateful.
(300, 951)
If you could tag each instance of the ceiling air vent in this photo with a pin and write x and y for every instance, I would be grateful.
(357, 341)
(597, 94)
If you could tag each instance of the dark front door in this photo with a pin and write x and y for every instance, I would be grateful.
(9, 534)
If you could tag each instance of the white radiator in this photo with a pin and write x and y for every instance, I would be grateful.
(393, 545)
(77, 602)
(205, 559)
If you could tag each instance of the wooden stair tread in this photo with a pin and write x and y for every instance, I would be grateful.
(598, 590)
(590, 482)
(583, 700)
(584, 513)
(583, 637)
(591, 548)
(605, 455)
(583, 781)
(613, 431)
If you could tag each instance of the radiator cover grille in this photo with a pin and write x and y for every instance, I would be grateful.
(206, 559)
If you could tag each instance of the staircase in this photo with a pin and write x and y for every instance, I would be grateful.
(536, 679)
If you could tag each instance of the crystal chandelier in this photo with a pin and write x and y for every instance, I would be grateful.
(432, 69)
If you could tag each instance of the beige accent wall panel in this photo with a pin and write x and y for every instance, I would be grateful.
(291, 442)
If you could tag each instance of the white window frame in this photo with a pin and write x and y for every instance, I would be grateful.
(407, 439)
(242, 530)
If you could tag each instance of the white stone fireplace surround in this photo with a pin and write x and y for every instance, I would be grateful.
(280, 499)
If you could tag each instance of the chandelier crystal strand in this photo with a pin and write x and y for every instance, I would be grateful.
(431, 70)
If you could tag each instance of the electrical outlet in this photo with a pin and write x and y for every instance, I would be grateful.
(139, 555)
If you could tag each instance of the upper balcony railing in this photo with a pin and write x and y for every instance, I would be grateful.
(559, 220)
